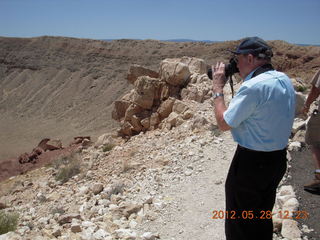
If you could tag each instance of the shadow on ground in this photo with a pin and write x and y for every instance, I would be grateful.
(302, 172)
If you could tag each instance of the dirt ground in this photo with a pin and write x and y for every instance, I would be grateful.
(302, 173)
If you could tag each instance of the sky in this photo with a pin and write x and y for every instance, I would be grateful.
(294, 21)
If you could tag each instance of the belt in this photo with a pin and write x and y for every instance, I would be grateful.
(251, 150)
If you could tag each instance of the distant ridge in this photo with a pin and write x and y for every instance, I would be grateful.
(206, 41)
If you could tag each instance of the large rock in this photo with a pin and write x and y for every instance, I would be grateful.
(154, 120)
(136, 71)
(194, 93)
(126, 129)
(179, 107)
(174, 72)
(196, 65)
(132, 110)
(144, 94)
(166, 108)
(298, 124)
(169, 91)
(120, 108)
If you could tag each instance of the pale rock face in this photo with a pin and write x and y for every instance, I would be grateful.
(196, 65)
(166, 108)
(179, 107)
(136, 71)
(174, 72)
(144, 94)
(120, 108)
(132, 110)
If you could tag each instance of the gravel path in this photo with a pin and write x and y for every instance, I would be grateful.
(302, 172)
(200, 190)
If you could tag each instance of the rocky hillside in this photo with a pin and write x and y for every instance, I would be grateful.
(64, 87)
(158, 184)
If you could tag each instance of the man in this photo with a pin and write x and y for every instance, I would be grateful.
(260, 118)
(313, 132)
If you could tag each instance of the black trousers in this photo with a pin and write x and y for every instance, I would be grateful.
(250, 193)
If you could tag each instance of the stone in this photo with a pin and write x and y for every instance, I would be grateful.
(290, 229)
(67, 218)
(125, 233)
(120, 108)
(136, 71)
(105, 139)
(174, 72)
(297, 125)
(179, 107)
(126, 129)
(166, 108)
(299, 136)
(292, 205)
(194, 93)
(199, 122)
(102, 235)
(144, 94)
(56, 232)
(187, 115)
(171, 120)
(150, 236)
(75, 228)
(145, 123)
(195, 65)
(97, 188)
(87, 234)
(154, 119)
(130, 209)
(282, 199)
(286, 190)
(294, 146)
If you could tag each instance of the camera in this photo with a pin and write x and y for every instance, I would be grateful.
(230, 69)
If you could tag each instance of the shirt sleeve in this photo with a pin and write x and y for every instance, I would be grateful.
(241, 106)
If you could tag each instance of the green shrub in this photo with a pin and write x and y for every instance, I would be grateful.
(8, 222)
(107, 147)
(301, 88)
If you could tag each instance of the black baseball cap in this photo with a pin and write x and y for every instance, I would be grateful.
(255, 46)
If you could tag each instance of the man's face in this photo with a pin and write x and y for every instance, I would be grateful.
(244, 64)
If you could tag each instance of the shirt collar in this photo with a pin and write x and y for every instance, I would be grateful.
(249, 76)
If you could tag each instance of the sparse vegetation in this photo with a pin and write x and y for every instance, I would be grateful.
(57, 210)
(107, 147)
(68, 166)
(301, 89)
(8, 222)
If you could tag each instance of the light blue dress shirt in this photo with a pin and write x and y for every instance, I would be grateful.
(262, 112)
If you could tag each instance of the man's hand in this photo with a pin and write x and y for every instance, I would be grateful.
(218, 77)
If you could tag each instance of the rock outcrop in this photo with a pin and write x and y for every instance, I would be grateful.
(157, 95)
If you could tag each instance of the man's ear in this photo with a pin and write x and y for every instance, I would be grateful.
(250, 58)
